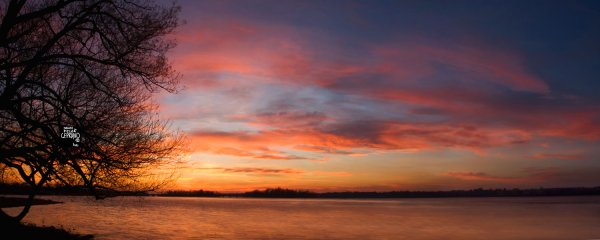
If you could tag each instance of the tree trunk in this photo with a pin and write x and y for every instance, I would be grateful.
(6, 218)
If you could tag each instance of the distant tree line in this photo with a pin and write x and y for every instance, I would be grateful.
(479, 192)
(291, 193)
(281, 193)
(195, 193)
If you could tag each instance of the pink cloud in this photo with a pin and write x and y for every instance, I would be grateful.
(480, 176)
(529, 175)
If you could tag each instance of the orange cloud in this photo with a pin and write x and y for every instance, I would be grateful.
(334, 174)
(350, 138)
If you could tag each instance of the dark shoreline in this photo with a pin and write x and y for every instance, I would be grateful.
(33, 232)
(6, 202)
(473, 193)
(294, 193)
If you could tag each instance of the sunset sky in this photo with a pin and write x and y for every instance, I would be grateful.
(387, 95)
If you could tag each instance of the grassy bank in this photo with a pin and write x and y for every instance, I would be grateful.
(29, 231)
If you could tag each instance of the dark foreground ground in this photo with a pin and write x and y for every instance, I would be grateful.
(29, 231)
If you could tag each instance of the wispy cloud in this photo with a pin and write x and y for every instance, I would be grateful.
(527, 175)
(256, 170)
(561, 156)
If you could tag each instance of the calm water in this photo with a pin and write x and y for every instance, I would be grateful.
(215, 218)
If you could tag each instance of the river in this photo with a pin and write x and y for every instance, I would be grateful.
(243, 218)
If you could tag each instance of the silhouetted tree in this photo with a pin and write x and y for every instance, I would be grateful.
(91, 65)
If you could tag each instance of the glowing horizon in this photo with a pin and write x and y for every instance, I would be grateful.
(380, 96)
